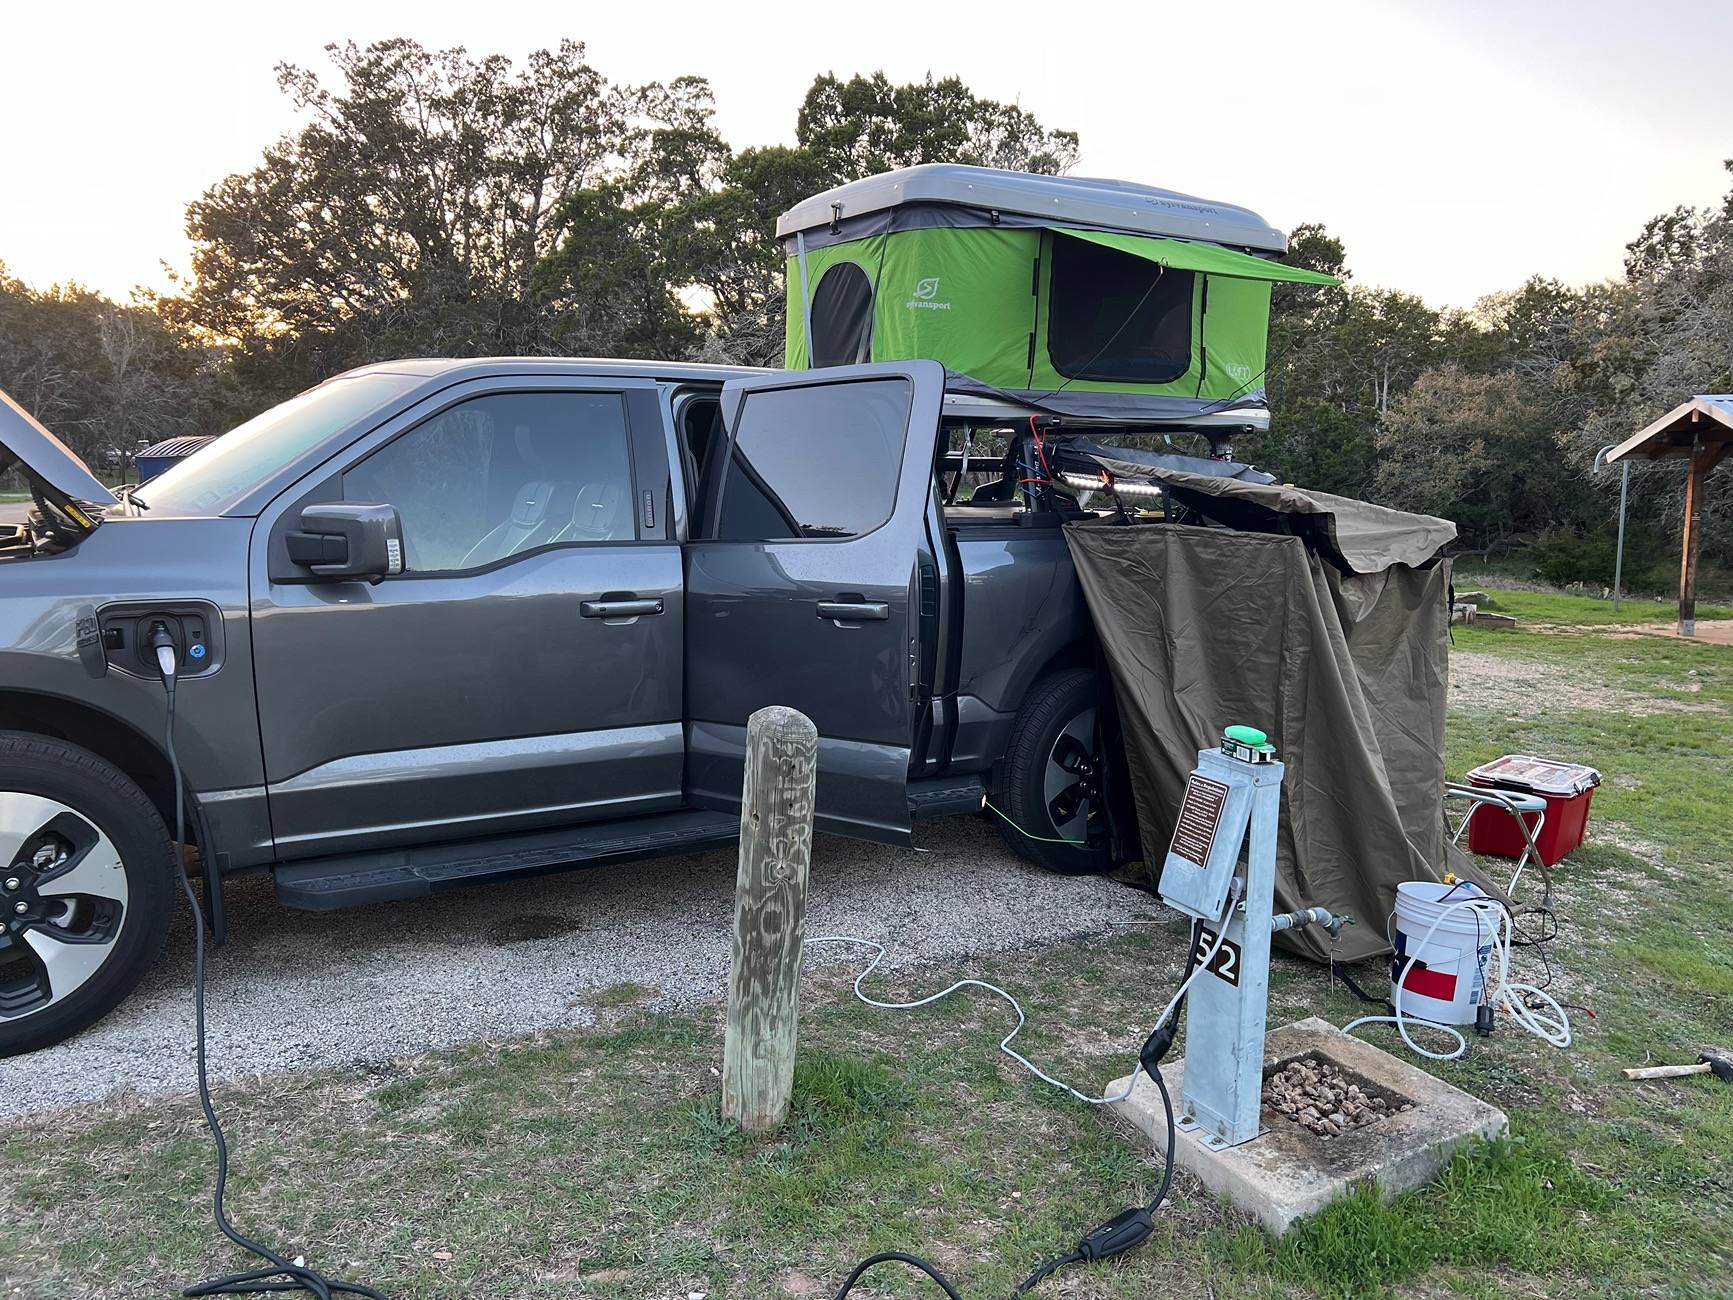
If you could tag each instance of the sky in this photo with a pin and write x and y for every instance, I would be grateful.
(1457, 146)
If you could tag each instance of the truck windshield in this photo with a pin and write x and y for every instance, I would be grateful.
(219, 474)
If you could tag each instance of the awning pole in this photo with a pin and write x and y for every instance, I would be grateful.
(805, 298)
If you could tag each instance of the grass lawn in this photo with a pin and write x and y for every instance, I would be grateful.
(1649, 583)
(595, 1163)
(1553, 608)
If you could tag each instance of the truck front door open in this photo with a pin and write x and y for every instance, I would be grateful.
(802, 585)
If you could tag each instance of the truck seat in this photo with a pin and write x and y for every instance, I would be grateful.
(535, 520)
(600, 513)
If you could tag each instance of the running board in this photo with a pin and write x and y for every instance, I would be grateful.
(945, 796)
(386, 875)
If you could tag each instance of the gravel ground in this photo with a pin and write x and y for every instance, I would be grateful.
(1524, 688)
(298, 990)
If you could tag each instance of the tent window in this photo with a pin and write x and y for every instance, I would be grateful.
(1117, 318)
(842, 317)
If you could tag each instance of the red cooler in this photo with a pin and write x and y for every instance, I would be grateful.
(1567, 789)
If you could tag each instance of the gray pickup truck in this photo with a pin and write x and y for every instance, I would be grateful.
(442, 622)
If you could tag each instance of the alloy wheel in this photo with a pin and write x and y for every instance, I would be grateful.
(63, 901)
(1071, 784)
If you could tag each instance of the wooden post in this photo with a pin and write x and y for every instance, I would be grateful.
(1696, 479)
(769, 917)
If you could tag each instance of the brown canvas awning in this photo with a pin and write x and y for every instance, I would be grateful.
(1322, 621)
(1361, 536)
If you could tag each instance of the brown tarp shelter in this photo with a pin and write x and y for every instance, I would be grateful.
(1324, 622)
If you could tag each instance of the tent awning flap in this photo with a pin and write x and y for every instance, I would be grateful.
(1203, 627)
(1211, 259)
(1364, 537)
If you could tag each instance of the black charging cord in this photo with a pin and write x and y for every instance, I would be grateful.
(898, 1257)
(283, 1274)
(1124, 1231)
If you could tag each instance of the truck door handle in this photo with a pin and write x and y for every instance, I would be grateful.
(854, 611)
(612, 607)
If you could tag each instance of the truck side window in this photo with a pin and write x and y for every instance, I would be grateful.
(820, 461)
(502, 474)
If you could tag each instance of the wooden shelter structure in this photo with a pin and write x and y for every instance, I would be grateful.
(1700, 433)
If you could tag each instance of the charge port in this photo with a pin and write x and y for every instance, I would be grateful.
(141, 641)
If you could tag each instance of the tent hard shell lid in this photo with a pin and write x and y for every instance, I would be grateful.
(1082, 297)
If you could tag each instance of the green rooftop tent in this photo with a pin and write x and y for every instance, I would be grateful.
(1082, 297)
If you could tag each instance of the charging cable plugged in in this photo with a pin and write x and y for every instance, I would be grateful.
(162, 644)
(281, 1273)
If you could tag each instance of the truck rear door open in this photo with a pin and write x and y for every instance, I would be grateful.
(801, 589)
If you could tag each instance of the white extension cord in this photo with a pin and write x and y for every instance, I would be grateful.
(1512, 995)
(1105, 1099)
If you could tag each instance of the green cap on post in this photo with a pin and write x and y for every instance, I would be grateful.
(1247, 736)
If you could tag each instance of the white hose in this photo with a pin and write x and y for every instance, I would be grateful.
(1554, 1029)
(1005, 1042)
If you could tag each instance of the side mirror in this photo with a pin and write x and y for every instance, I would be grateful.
(341, 542)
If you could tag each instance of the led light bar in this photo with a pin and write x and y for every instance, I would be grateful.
(1096, 483)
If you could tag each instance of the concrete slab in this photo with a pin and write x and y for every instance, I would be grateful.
(1287, 1172)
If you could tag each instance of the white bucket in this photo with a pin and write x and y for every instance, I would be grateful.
(1449, 947)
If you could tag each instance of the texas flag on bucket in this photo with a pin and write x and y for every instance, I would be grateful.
(1422, 979)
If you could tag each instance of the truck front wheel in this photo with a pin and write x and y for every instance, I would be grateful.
(86, 889)
(1052, 810)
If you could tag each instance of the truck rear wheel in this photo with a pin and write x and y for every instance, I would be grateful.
(86, 889)
(1052, 811)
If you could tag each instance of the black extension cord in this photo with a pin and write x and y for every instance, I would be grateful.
(1125, 1231)
(282, 1274)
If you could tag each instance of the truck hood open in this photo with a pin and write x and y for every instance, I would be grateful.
(47, 461)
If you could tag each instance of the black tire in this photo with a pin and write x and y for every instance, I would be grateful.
(1055, 726)
(124, 918)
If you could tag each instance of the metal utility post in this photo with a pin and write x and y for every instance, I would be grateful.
(1624, 496)
(776, 806)
(1232, 801)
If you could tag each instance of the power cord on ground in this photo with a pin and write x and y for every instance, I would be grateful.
(282, 1274)
(1126, 1230)
(1028, 835)
(1130, 1227)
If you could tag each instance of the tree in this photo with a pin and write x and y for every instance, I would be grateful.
(438, 203)
(866, 125)
(408, 215)
(1477, 449)
(102, 375)
(1339, 356)
(1643, 345)
(734, 254)
(628, 247)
